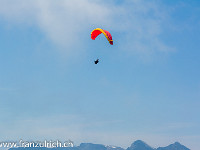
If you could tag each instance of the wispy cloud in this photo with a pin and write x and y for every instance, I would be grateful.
(67, 23)
(143, 24)
(64, 22)
(78, 129)
(61, 127)
(4, 89)
(177, 126)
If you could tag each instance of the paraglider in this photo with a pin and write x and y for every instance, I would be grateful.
(97, 32)
(96, 61)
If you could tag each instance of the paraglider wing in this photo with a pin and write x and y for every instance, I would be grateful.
(98, 31)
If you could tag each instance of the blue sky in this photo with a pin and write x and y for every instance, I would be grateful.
(146, 85)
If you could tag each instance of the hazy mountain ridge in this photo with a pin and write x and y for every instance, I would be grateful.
(175, 146)
(137, 145)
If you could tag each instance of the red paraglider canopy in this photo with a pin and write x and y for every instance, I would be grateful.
(98, 31)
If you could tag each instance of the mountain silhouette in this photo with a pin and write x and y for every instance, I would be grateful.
(175, 146)
(137, 145)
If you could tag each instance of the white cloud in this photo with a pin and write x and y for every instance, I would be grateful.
(142, 24)
(66, 21)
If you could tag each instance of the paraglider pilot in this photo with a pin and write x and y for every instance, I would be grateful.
(96, 61)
